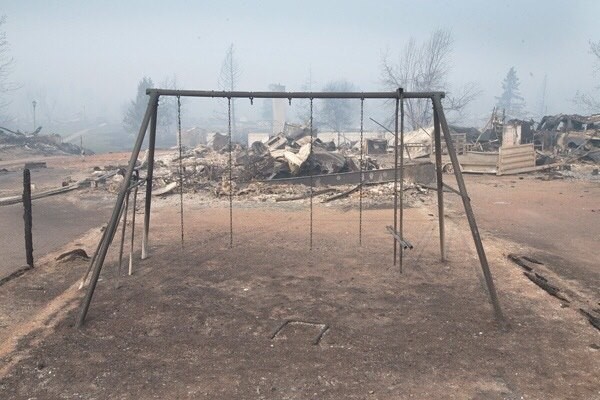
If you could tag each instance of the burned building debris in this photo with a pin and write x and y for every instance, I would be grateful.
(17, 143)
(292, 156)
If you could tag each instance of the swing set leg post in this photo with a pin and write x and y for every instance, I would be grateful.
(114, 219)
(94, 257)
(122, 245)
(135, 192)
(92, 261)
(469, 212)
(149, 176)
(440, 182)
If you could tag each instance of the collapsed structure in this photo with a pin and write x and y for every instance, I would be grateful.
(515, 146)
(19, 144)
(501, 148)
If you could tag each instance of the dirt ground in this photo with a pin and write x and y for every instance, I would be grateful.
(57, 220)
(200, 322)
(557, 221)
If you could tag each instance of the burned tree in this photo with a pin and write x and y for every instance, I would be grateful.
(338, 114)
(167, 115)
(167, 110)
(137, 107)
(425, 67)
(6, 66)
(228, 80)
(511, 100)
(590, 101)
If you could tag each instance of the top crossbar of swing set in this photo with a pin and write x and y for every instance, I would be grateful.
(294, 95)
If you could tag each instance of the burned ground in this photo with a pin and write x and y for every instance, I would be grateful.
(198, 322)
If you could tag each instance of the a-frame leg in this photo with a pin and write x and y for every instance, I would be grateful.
(114, 219)
(149, 178)
(437, 103)
(440, 182)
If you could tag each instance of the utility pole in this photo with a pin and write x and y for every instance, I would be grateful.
(27, 217)
(543, 107)
(232, 79)
(34, 103)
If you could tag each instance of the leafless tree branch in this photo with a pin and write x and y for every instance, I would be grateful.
(425, 67)
(589, 101)
(6, 68)
(228, 80)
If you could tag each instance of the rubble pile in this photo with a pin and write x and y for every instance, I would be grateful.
(35, 144)
(345, 196)
(295, 151)
(205, 173)
(570, 138)
(557, 142)
(382, 194)
(206, 166)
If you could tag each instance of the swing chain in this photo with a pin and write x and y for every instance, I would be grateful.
(229, 167)
(360, 198)
(310, 168)
(181, 172)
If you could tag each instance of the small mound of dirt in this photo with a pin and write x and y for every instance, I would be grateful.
(76, 254)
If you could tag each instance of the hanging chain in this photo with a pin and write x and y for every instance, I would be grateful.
(310, 168)
(401, 225)
(360, 195)
(229, 167)
(396, 179)
(180, 166)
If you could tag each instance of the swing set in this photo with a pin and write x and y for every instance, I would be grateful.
(132, 181)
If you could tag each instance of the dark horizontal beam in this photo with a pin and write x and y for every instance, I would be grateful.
(421, 172)
(294, 95)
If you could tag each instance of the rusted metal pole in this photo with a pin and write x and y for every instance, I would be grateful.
(469, 211)
(135, 192)
(114, 219)
(93, 260)
(27, 217)
(149, 177)
(439, 178)
(122, 245)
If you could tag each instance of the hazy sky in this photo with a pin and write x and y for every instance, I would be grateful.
(89, 55)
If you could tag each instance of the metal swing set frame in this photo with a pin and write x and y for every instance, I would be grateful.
(441, 129)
